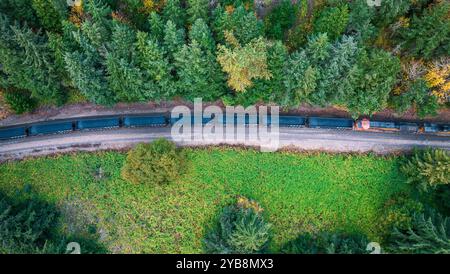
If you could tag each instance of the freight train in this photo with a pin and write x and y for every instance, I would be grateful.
(164, 119)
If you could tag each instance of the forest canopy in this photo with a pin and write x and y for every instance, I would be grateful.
(326, 52)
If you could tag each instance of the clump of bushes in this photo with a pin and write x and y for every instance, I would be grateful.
(157, 163)
(20, 101)
(242, 229)
(327, 243)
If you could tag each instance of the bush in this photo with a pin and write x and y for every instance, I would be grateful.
(428, 168)
(327, 243)
(158, 163)
(20, 101)
(242, 229)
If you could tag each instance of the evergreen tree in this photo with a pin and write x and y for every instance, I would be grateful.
(428, 234)
(334, 81)
(327, 243)
(243, 24)
(173, 12)
(300, 79)
(429, 34)
(372, 80)
(202, 34)
(174, 39)
(152, 58)
(332, 21)
(240, 230)
(28, 63)
(199, 73)
(50, 13)
(156, 26)
(125, 78)
(20, 10)
(360, 22)
(428, 169)
(197, 9)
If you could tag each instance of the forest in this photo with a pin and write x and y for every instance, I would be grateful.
(347, 54)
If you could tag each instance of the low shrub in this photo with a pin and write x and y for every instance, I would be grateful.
(157, 163)
(327, 243)
(20, 101)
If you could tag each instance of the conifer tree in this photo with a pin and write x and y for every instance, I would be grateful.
(174, 39)
(429, 34)
(172, 11)
(50, 13)
(199, 73)
(152, 58)
(197, 9)
(202, 34)
(156, 26)
(300, 79)
(428, 169)
(28, 63)
(428, 234)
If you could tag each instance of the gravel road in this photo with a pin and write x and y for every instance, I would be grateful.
(294, 138)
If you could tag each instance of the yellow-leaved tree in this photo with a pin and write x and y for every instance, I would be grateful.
(243, 63)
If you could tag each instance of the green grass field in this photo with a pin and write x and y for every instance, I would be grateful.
(298, 192)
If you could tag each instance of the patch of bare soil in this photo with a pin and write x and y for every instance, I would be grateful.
(88, 109)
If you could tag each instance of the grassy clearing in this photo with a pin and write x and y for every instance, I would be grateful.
(298, 192)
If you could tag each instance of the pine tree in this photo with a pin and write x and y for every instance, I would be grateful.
(20, 10)
(266, 90)
(152, 58)
(243, 24)
(173, 12)
(156, 26)
(199, 73)
(428, 234)
(174, 39)
(197, 9)
(202, 34)
(300, 79)
(429, 34)
(334, 80)
(125, 78)
(28, 63)
(50, 13)
(428, 169)
(332, 21)
(373, 78)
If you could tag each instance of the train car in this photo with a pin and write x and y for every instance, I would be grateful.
(339, 123)
(376, 125)
(144, 121)
(13, 132)
(51, 128)
(436, 128)
(407, 127)
(291, 121)
(98, 123)
(204, 120)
